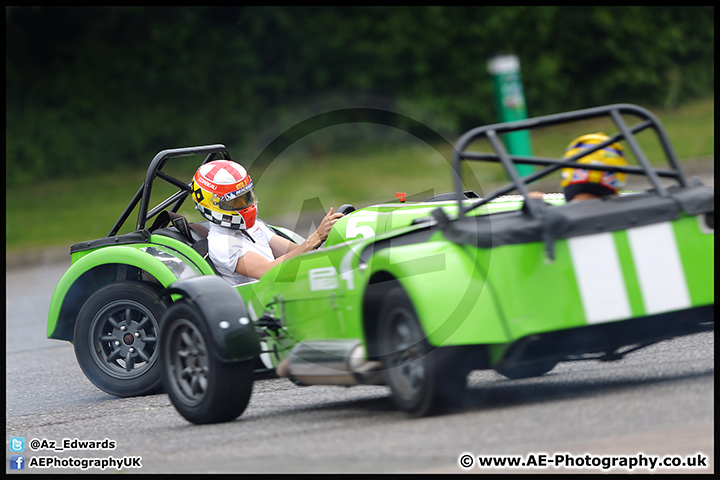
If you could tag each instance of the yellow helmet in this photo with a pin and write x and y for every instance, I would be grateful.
(577, 180)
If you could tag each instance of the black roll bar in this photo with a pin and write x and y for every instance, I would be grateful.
(615, 111)
(155, 170)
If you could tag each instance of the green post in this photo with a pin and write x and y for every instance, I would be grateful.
(510, 105)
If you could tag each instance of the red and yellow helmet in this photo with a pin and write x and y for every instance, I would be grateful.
(223, 193)
(576, 180)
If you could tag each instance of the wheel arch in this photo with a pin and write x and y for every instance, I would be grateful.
(223, 309)
(94, 271)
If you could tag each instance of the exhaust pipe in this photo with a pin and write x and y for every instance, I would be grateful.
(330, 362)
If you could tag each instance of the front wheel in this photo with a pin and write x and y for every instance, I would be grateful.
(423, 379)
(202, 388)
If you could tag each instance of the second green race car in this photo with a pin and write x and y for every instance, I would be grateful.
(414, 296)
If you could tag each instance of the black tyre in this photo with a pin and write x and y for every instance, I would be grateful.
(202, 388)
(423, 380)
(115, 339)
(526, 370)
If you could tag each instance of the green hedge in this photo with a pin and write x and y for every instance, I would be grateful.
(97, 88)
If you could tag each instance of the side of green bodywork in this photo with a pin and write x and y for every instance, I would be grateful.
(449, 288)
(465, 295)
(320, 295)
(310, 295)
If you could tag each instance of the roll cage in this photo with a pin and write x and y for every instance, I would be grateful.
(142, 196)
(627, 133)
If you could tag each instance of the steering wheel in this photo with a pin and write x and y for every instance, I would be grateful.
(345, 209)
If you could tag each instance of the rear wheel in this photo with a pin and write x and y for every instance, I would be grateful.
(202, 388)
(115, 339)
(423, 379)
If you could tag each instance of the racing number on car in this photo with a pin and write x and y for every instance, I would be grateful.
(327, 278)
(353, 230)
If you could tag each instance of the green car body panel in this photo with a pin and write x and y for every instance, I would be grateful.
(468, 296)
(323, 292)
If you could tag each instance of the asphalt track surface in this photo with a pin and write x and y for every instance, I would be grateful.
(655, 402)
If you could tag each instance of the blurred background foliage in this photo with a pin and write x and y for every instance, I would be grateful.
(102, 89)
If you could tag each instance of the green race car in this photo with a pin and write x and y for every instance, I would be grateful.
(409, 295)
